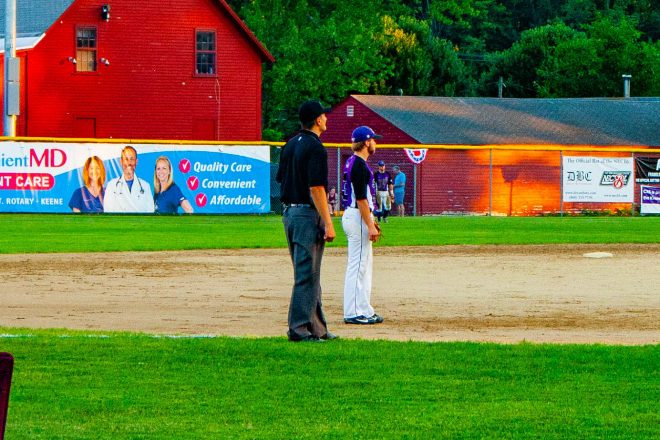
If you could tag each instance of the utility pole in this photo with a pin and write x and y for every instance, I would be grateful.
(500, 86)
(11, 107)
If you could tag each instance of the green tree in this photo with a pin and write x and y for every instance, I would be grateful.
(573, 69)
(620, 51)
(518, 65)
(425, 64)
(328, 49)
(557, 61)
(323, 50)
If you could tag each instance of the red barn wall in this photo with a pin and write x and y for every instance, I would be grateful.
(458, 181)
(340, 127)
(149, 90)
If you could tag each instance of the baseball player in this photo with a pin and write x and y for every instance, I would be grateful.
(384, 191)
(358, 191)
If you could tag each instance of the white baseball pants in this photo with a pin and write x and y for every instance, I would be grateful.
(359, 269)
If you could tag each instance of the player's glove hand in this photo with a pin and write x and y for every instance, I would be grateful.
(379, 231)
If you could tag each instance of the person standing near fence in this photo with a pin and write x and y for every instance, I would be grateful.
(384, 191)
(358, 194)
(303, 176)
(399, 190)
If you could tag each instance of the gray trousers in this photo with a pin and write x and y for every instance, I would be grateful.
(304, 233)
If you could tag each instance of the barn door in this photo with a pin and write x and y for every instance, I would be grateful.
(84, 127)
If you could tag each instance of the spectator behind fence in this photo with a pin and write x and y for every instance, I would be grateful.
(399, 190)
(332, 200)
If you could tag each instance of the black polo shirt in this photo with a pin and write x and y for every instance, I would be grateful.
(303, 164)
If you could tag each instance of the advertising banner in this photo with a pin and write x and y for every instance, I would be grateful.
(647, 170)
(136, 178)
(650, 200)
(598, 179)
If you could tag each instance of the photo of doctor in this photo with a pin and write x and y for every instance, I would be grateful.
(167, 194)
(128, 193)
(89, 197)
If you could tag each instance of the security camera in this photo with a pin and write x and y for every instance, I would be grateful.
(105, 61)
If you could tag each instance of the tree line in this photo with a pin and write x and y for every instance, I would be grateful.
(328, 49)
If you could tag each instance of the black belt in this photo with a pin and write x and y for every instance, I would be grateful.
(297, 205)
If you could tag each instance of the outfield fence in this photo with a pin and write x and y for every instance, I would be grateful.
(42, 174)
(512, 180)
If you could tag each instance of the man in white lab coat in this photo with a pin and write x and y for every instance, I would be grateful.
(128, 193)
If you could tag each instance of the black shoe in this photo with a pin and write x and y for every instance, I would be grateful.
(378, 318)
(329, 336)
(363, 320)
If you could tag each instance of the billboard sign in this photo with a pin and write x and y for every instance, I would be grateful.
(650, 200)
(647, 170)
(598, 179)
(58, 177)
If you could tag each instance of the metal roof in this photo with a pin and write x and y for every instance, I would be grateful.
(34, 17)
(508, 121)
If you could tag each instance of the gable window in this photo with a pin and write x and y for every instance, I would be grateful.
(205, 53)
(86, 49)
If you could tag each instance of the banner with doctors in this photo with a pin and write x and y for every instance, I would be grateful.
(597, 179)
(134, 178)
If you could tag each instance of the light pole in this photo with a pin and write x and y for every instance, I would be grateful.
(11, 95)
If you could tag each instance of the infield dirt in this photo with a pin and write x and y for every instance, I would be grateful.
(451, 293)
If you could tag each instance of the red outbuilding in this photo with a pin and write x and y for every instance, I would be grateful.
(502, 156)
(188, 70)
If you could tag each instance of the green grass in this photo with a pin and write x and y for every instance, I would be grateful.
(82, 385)
(25, 233)
(128, 386)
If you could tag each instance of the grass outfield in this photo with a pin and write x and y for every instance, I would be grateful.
(74, 385)
(21, 233)
(84, 385)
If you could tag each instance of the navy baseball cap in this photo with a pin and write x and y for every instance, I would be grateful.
(310, 110)
(381, 163)
(364, 133)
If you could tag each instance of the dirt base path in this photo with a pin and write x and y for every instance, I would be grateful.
(450, 293)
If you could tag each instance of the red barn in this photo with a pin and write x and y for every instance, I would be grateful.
(468, 180)
(188, 70)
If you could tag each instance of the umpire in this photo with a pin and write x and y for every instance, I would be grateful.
(303, 176)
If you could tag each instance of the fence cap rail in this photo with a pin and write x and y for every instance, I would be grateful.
(520, 147)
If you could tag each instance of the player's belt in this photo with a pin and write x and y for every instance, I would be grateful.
(297, 205)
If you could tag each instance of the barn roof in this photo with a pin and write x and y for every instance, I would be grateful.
(509, 121)
(34, 17)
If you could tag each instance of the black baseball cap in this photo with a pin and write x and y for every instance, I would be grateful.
(310, 110)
